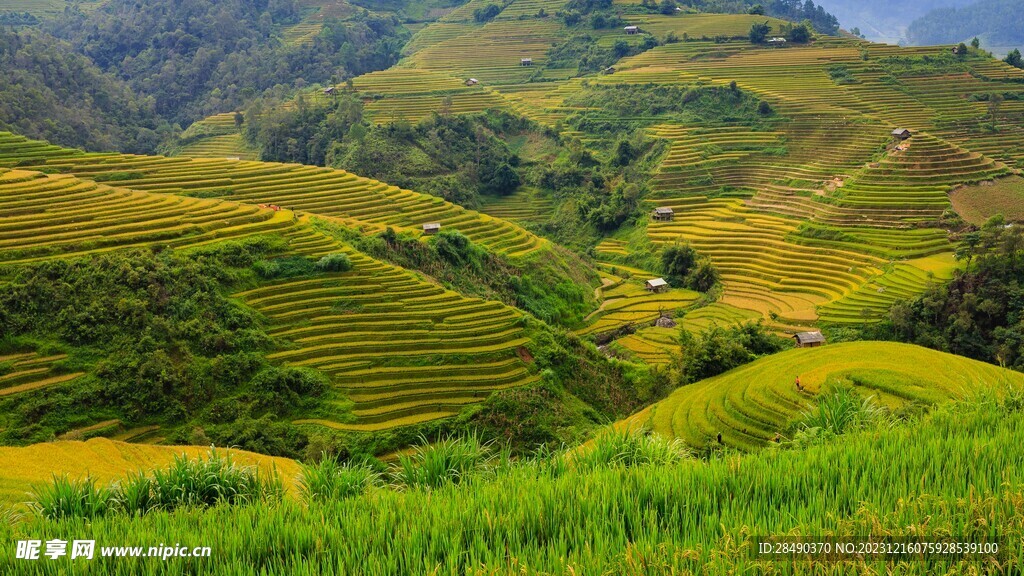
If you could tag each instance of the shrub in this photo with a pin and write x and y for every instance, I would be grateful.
(337, 262)
(840, 411)
(328, 480)
(288, 267)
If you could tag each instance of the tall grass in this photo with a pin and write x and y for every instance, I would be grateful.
(200, 482)
(66, 498)
(839, 411)
(328, 480)
(631, 448)
(449, 460)
(958, 472)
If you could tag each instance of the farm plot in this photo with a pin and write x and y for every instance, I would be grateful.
(61, 215)
(978, 203)
(492, 54)
(401, 350)
(750, 404)
(323, 191)
(626, 302)
(26, 371)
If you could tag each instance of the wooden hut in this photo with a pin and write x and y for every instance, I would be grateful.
(663, 214)
(809, 339)
(656, 285)
(431, 228)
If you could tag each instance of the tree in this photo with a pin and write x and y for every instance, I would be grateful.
(1014, 59)
(799, 34)
(975, 43)
(667, 7)
(486, 13)
(756, 10)
(239, 119)
(620, 49)
(961, 49)
(759, 32)
(764, 108)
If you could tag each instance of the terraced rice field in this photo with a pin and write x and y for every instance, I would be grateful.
(627, 302)
(26, 371)
(750, 404)
(45, 7)
(902, 281)
(491, 53)
(104, 460)
(323, 191)
(401, 350)
(216, 136)
(524, 205)
(48, 215)
(699, 25)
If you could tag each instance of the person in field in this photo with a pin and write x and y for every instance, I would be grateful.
(799, 386)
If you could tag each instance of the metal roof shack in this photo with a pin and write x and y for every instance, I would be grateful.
(656, 285)
(431, 228)
(901, 133)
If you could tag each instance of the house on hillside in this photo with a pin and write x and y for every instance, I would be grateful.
(901, 134)
(431, 228)
(809, 339)
(329, 91)
(656, 285)
(631, 30)
(777, 41)
(663, 214)
(472, 82)
(609, 70)
(526, 62)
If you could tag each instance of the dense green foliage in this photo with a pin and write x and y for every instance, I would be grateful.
(637, 511)
(49, 92)
(980, 314)
(683, 267)
(195, 58)
(304, 133)
(716, 350)
(998, 21)
(163, 344)
(657, 103)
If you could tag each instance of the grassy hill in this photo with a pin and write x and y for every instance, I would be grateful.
(749, 405)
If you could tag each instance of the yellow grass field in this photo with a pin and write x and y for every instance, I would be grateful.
(978, 203)
(105, 460)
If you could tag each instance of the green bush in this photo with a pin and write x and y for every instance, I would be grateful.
(631, 448)
(337, 262)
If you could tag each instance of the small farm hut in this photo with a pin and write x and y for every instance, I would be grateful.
(631, 29)
(329, 91)
(431, 228)
(809, 339)
(663, 214)
(656, 285)
(526, 62)
(901, 134)
(472, 82)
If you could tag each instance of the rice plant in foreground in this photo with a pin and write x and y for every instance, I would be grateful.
(201, 482)
(632, 448)
(448, 460)
(839, 411)
(328, 480)
(66, 498)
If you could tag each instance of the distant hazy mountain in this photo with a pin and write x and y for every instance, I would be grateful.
(884, 20)
(997, 23)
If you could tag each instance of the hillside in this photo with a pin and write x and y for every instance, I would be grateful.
(991, 21)
(397, 348)
(44, 80)
(749, 405)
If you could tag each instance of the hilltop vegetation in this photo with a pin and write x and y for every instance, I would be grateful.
(198, 57)
(49, 92)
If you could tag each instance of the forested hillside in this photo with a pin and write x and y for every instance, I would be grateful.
(48, 91)
(195, 57)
